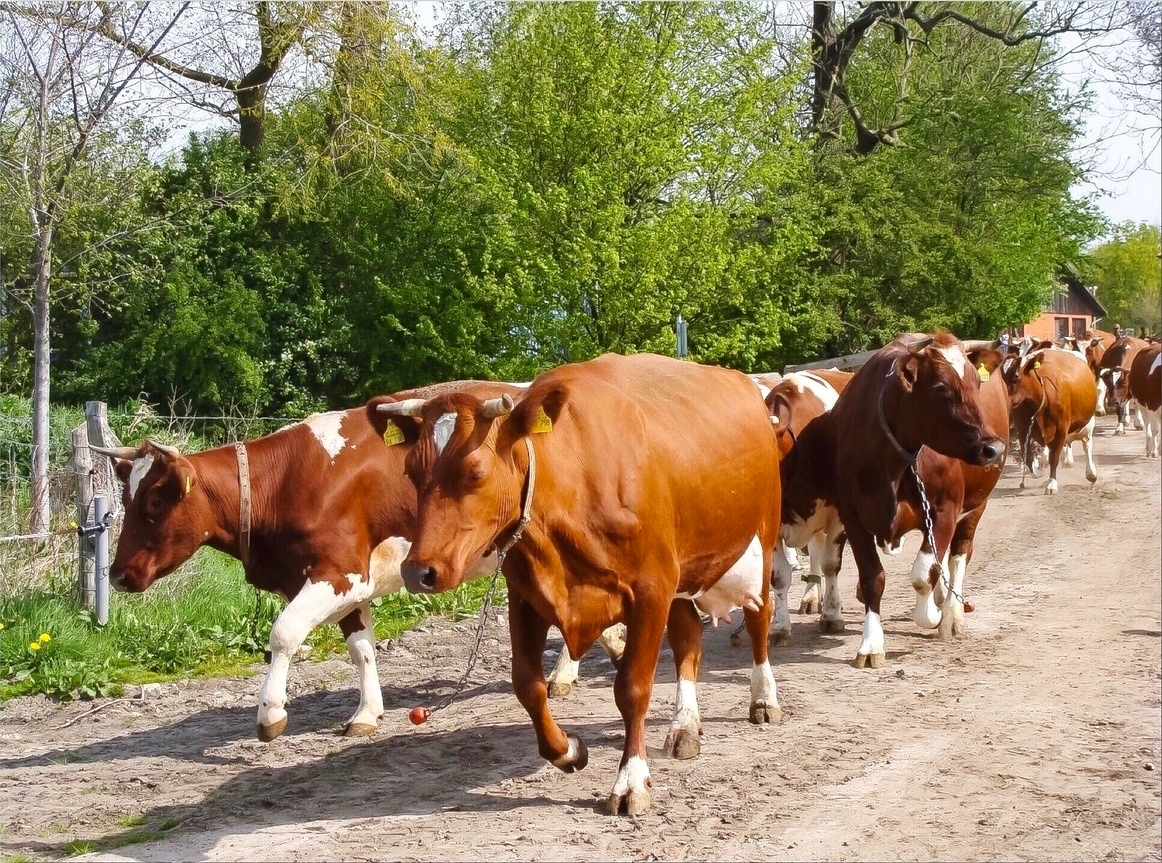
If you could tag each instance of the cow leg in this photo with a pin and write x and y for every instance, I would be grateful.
(764, 696)
(316, 603)
(527, 633)
(830, 550)
(1136, 410)
(1055, 447)
(684, 630)
(567, 670)
(1123, 411)
(781, 584)
(1153, 430)
(357, 629)
(870, 653)
(1067, 455)
(1100, 409)
(1087, 449)
(631, 692)
(959, 555)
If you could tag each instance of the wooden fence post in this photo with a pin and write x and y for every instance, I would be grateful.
(96, 419)
(82, 464)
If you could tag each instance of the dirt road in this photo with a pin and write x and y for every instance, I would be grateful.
(1037, 736)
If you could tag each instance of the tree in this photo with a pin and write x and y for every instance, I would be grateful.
(60, 88)
(1128, 275)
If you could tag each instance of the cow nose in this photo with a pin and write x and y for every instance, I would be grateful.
(418, 577)
(992, 451)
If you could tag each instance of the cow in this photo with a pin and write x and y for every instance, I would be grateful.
(1115, 371)
(1146, 389)
(317, 512)
(919, 392)
(619, 489)
(1092, 344)
(1053, 398)
(809, 517)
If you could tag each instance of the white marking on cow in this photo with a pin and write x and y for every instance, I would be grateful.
(781, 584)
(1154, 366)
(739, 587)
(1153, 431)
(361, 647)
(872, 642)
(1051, 486)
(686, 708)
(325, 428)
(953, 608)
(570, 756)
(956, 357)
(762, 684)
(807, 382)
(634, 776)
(925, 614)
(141, 467)
(442, 430)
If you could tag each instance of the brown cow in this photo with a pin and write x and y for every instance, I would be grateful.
(809, 517)
(328, 509)
(957, 493)
(622, 487)
(1092, 344)
(1115, 372)
(1146, 390)
(916, 392)
(1053, 398)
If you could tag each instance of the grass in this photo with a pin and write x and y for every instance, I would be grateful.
(199, 622)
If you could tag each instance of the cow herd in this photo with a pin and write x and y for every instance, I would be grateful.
(629, 498)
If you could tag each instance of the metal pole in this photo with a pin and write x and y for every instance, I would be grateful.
(100, 511)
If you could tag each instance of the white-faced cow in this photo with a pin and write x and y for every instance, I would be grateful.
(1146, 390)
(317, 513)
(623, 488)
(1053, 398)
(1092, 344)
(916, 394)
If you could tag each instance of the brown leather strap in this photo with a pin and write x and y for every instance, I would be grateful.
(243, 503)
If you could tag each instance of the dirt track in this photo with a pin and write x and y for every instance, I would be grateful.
(1037, 736)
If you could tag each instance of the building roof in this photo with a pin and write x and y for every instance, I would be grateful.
(1071, 278)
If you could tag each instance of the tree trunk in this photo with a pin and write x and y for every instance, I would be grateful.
(42, 264)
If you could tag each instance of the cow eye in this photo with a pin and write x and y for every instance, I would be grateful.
(154, 503)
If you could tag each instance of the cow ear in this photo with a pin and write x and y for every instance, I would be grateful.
(908, 372)
(123, 467)
(393, 429)
(988, 358)
(536, 413)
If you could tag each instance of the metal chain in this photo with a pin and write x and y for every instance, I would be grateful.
(929, 533)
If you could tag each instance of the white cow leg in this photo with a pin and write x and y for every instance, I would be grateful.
(870, 653)
(952, 609)
(1100, 410)
(831, 555)
(764, 695)
(1153, 430)
(631, 789)
(1087, 448)
(926, 614)
(1139, 423)
(781, 585)
(685, 736)
(564, 674)
(314, 604)
(361, 646)
(1067, 455)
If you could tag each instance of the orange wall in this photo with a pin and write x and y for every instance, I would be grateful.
(1044, 326)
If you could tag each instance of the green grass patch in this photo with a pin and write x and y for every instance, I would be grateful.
(203, 621)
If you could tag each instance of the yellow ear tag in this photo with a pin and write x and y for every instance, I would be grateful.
(189, 483)
(982, 373)
(393, 434)
(1037, 364)
(541, 422)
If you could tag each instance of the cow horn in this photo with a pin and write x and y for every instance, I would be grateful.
(405, 408)
(497, 407)
(125, 453)
(167, 451)
(919, 345)
(980, 344)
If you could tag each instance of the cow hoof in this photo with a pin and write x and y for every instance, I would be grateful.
(781, 636)
(575, 759)
(267, 733)
(682, 743)
(358, 729)
(631, 803)
(736, 638)
(809, 606)
(869, 660)
(763, 713)
(832, 625)
(559, 690)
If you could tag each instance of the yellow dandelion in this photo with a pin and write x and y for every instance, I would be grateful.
(1, 624)
(34, 645)
(45, 638)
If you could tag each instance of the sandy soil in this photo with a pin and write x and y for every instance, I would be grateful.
(1036, 736)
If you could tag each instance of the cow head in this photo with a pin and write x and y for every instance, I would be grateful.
(469, 474)
(936, 400)
(167, 515)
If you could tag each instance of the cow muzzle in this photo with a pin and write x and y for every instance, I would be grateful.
(989, 452)
(419, 577)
